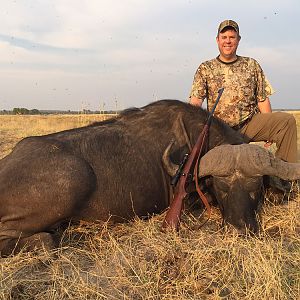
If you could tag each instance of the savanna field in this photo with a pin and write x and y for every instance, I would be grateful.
(137, 261)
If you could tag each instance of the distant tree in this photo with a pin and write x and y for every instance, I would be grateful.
(25, 111)
(17, 111)
(34, 111)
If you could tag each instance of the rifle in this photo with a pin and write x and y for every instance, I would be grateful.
(185, 174)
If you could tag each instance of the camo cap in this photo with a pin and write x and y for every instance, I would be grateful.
(229, 23)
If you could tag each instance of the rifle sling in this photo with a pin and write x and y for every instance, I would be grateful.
(201, 195)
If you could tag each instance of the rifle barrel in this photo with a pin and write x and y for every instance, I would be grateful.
(220, 92)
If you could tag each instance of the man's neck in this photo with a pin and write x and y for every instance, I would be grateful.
(227, 60)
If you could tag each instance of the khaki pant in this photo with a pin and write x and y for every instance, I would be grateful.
(279, 128)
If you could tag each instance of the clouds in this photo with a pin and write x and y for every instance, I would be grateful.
(60, 53)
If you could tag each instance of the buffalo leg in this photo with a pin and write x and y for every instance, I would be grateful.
(35, 199)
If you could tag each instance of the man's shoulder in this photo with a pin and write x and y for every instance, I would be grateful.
(248, 60)
(208, 65)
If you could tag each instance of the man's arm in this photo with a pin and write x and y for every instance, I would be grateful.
(265, 106)
(196, 101)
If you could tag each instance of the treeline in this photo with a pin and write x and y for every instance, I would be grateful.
(25, 111)
(20, 111)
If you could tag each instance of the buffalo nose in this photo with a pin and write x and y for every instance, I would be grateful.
(248, 229)
(242, 229)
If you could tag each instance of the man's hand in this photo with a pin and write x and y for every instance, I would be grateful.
(268, 144)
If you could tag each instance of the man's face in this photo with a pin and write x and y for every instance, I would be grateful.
(228, 42)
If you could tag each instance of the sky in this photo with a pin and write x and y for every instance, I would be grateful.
(115, 54)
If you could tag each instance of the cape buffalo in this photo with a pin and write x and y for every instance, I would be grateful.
(114, 169)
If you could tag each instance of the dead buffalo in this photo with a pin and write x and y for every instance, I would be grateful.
(113, 169)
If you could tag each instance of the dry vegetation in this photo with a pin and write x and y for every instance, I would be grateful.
(138, 261)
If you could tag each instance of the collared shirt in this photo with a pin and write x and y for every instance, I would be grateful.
(244, 85)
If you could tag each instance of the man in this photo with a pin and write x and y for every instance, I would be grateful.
(245, 103)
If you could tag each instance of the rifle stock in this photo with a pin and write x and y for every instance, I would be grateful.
(172, 219)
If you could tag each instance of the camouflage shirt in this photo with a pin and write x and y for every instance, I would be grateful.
(244, 85)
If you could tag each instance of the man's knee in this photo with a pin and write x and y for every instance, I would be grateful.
(292, 120)
(286, 117)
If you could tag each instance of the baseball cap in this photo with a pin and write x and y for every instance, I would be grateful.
(229, 23)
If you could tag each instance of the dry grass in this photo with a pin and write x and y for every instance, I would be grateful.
(13, 128)
(138, 261)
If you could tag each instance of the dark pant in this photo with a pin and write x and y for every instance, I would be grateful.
(279, 128)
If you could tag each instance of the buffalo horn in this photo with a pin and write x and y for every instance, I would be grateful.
(217, 162)
(262, 162)
(249, 160)
(169, 166)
